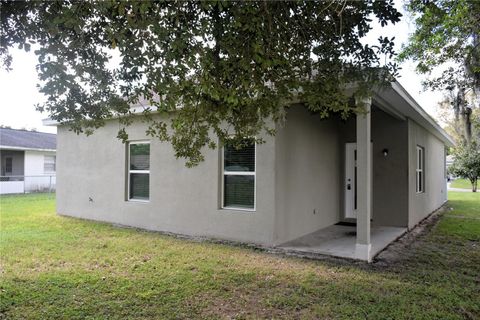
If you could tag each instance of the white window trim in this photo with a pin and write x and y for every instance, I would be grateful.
(239, 173)
(136, 171)
(418, 170)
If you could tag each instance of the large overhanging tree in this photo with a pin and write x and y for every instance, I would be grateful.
(447, 38)
(217, 68)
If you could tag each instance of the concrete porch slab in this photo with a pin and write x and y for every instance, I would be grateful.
(340, 241)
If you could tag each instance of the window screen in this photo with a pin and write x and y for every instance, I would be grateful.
(139, 171)
(239, 176)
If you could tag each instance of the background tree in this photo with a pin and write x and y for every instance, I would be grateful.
(451, 121)
(216, 68)
(467, 163)
(447, 38)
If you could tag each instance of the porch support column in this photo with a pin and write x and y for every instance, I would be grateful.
(364, 180)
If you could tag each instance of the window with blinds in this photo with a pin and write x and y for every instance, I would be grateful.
(49, 164)
(420, 170)
(139, 171)
(239, 176)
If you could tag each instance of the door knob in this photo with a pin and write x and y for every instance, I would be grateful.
(349, 187)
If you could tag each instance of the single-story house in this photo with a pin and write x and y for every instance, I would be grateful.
(28, 161)
(340, 187)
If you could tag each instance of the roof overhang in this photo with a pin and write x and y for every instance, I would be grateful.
(397, 102)
(25, 149)
(49, 122)
(394, 100)
(135, 109)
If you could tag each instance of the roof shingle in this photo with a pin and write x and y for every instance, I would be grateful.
(27, 139)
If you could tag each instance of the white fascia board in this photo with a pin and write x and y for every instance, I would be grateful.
(49, 122)
(26, 149)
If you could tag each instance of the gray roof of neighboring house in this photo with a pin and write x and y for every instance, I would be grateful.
(26, 140)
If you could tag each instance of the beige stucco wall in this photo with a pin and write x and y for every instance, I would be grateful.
(390, 173)
(422, 204)
(308, 174)
(182, 200)
(299, 180)
(297, 172)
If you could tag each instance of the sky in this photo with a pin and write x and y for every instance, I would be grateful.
(19, 93)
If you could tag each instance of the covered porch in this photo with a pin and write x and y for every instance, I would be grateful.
(12, 170)
(368, 221)
(340, 240)
(346, 195)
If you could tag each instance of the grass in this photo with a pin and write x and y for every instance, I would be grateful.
(55, 267)
(461, 184)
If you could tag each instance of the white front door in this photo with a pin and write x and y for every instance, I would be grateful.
(350, 184)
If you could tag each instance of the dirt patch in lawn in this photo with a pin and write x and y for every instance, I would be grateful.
(402, 247)
(237, 303)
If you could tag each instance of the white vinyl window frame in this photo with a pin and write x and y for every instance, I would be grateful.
(129, 172)
(420, 170)
(49, 160)
(239, 173)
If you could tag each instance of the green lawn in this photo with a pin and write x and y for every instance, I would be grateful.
(461, 184)
(55, 267)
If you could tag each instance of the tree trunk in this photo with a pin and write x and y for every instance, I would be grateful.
(465, 113)
(467, 124)
(473, 61)
(456, 106)
(474, 186)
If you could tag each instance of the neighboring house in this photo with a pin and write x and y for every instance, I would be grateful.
(28, 161)
(450, 159)
(449, 162)
(344, 188)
